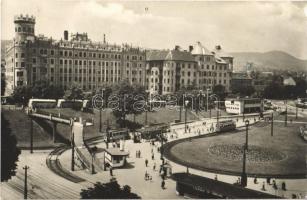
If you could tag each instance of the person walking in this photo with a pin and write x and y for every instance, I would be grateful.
(163, 184)
(146, 162)
(154, 167)
(152, 156)
(111, 170)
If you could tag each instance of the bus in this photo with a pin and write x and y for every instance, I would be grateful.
(42, 103)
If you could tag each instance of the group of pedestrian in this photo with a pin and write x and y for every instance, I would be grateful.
(138, 154)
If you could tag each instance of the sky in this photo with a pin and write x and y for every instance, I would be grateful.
(239, 26)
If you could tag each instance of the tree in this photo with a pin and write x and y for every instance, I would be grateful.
(243, 90)
(42, 89)
(9, 151)
(73, 93)
(126, 97)
(111, 190)
(22, 94)
(220, 91)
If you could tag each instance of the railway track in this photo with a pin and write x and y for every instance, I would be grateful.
(55, 166)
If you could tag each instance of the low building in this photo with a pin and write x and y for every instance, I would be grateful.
(115, 157)
(243, 105)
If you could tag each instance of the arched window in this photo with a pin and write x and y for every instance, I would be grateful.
(19, 29)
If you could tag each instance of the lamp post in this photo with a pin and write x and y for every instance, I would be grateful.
(25, 192)
(185, 115)
(246, 141)
(100, 111)
(272, 122)
(296, 110)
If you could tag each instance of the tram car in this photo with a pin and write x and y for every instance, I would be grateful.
(303, 132)
(116, 135)
(42, 103)
(227, 125)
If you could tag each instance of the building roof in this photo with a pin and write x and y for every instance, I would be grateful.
(289, 81)
(116, 152)
(221, 188)
(218, 51)
(199, 49)
(173, 55)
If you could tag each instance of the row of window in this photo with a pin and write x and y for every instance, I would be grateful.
(84, 54)
(24, 29)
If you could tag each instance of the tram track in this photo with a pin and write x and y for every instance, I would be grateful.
(55, 166)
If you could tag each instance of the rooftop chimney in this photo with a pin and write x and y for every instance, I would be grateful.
(65, 35)
(177, 48)
(218, 47)
(190, 48)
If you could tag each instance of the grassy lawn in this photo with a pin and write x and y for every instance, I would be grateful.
(285, 140)
(19, 123)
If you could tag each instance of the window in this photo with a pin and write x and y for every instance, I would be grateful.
(34, 70)
(33, 60)
(20, 73)
(52, 61)
(52, 52)
(22, 64)
(51, 70)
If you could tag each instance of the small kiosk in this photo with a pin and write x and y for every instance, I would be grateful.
(115, 157)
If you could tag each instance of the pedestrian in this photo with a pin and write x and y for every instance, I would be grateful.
(215, 177)
(152, 156)
(163, 184)
(255, 180)
(268, 180)
(111, 170)
(283, 186)
(263, 186)
(146, 176)
(154, 167)
(139, 153)
(275, 185)
(146, 162)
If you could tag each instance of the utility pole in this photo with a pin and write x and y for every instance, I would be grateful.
(296, 110)
(286, 114)
(180, 111)
(31, 135)
(272, 122)
(25, 192)
(72, 153)
(100, 110)
(217, 114)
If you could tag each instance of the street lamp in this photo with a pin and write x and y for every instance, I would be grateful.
(186, 102)
(272, 122)
(100, 111)
(246, 142)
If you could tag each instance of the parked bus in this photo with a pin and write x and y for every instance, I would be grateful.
(62, 103)
(42, 103)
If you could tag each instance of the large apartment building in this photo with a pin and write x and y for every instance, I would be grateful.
(169, 70)
(76, 59)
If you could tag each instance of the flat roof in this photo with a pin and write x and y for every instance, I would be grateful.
(116, 152)
(222, 188)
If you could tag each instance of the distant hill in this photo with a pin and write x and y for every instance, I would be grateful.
(272, 60)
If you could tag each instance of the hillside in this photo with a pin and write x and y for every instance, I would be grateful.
(272, 60)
